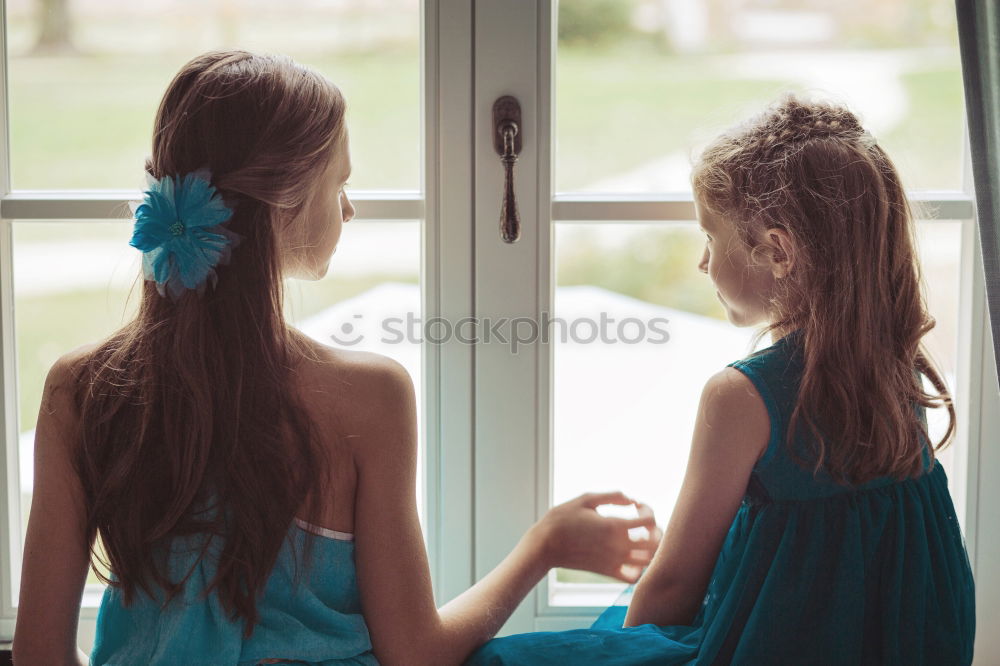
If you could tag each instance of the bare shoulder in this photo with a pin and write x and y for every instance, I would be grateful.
(58, 410)
(731, 384)
(366, 391)
(64, 374)
(356, 372)
(69, 364)
(732, 404)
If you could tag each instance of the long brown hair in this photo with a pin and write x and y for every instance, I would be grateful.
(854, 292)
(190, 422)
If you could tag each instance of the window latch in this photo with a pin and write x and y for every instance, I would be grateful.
(507, 143)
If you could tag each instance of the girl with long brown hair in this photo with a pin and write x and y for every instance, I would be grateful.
(253, 491)
(814, 524)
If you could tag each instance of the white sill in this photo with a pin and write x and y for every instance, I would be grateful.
(592, 596)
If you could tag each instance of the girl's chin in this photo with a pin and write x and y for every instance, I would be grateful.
(735, 318)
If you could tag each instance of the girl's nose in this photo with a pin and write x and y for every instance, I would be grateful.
(703, 264)
(349, 211)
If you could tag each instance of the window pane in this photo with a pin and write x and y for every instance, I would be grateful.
(641, 84)
(83, 98)
(72, 283)
(940, 246)
(626, 395)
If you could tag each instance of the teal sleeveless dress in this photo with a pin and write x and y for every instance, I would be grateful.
(306, 616)
(809, 572)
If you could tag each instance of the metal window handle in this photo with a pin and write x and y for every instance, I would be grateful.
(507, 142)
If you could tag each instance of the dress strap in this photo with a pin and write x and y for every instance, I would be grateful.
(324, 532)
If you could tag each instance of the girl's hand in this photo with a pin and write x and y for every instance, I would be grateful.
(573, 535)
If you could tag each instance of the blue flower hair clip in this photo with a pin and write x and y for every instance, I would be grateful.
(178, 228)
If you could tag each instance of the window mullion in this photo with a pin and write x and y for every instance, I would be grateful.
(447, 276)
(679, 207)
(112, 205)
(513, 56)
(10, 541)
(10, 561)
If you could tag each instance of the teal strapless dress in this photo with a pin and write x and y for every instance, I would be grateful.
(315, 620)
(810, 573)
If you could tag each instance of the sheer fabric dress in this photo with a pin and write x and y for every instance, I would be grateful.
(315, 619)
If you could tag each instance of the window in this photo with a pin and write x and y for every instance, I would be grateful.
(617, 96)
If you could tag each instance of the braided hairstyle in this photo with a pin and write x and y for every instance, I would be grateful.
(811, 169)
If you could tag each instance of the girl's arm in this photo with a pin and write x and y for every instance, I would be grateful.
(393, 573)
(730, 435)
(56, 553)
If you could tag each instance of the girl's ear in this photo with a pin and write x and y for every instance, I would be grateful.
(782, 259)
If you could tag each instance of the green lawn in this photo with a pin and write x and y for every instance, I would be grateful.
(927, 146)
(620, 109)
(658, 264)
(85, 122)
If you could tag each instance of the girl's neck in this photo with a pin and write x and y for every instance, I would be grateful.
(778, 333)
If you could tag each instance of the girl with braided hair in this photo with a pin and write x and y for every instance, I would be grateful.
(814, 524)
